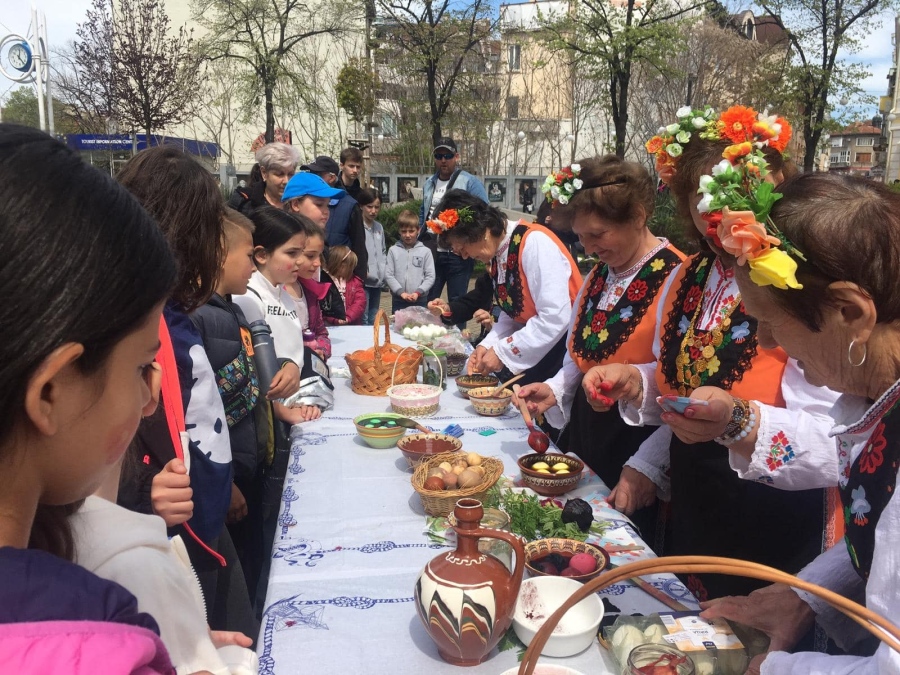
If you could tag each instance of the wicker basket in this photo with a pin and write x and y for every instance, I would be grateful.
(877, 625)
(442, 502)
(371, 375)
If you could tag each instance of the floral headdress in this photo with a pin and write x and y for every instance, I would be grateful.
(737, 199)
(448, 219)
(669, 142)
(562, 185)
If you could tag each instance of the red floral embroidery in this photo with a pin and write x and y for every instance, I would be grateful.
(693, 297)
(599, 322)
(695, 354)
(511, 261)
(696, 587)
(501, 293)
(637, 290)
(873, 456)
(598, 283)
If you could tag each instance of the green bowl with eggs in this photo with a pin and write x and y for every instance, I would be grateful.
(379, 430)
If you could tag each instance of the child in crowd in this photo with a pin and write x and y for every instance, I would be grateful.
(83, 287)
(187, 205)
(308, 195)
(370, 203)
(279, 240)
(226, 336)
(340, 263)
(410, 265)
(309, 291)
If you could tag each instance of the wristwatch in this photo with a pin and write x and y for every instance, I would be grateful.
(739, 416)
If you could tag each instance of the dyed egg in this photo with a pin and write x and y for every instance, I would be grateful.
(560, 466)
(469, 478)
(434, 483)
(538, 466)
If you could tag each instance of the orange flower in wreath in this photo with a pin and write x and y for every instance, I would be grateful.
(742, 236)
(736, 123)
(780, 143)
(449, 217)
(734, 152)
(654, 145)
(665, 167)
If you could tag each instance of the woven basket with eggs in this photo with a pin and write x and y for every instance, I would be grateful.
(374, 370)
(440, 502)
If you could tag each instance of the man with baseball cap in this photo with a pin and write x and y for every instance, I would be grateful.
(449, 268)
(345, 224)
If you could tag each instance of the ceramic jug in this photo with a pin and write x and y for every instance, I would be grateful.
(466, 598)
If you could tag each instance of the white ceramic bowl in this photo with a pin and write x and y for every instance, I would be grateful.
(539, 597)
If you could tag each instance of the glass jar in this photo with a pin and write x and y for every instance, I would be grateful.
(434, 367)
(644, 658)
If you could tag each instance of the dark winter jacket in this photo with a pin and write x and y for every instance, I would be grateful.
(480, 297)
(345, 228)
(223, 328)
(248, 199)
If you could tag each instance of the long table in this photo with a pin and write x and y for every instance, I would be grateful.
(351, 543)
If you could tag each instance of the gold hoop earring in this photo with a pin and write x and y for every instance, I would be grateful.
(850, 354)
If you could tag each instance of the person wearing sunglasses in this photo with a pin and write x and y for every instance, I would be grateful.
(450, 269)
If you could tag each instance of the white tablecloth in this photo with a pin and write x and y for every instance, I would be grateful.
(351, 544)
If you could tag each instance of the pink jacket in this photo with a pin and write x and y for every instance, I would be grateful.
(354, 302)
(81, 648)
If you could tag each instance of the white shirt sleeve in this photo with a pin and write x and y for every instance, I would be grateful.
(652, 460)
(564, 386)
(833, 570)
(251, 305)
(548, 272)
(794, 450)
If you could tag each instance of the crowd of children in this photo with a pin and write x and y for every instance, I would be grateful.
(142, 443)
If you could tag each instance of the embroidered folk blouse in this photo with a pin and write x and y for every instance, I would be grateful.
(857, 425)
(520, 346)
(566, 382)
(785, 433)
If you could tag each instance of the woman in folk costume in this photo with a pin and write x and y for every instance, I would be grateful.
(608, 203)
(535, 283)
(707, 350)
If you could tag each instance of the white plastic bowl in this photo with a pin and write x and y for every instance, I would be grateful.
(539, 597)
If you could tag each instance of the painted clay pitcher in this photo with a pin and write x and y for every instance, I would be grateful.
(466, 598)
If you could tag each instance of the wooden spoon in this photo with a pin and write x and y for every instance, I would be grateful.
(408, 423)
(500, 387)
(537, 439)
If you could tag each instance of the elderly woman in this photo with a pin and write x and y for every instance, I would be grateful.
(535, 282)
(615, 312)
(277, 164)
(707, 350)
(838, 315)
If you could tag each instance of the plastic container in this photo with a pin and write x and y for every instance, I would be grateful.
(644, 658)
(434, 367)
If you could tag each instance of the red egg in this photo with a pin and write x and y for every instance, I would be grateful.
(570, 572)
(584, 563)
(434, 483)
(546, 567)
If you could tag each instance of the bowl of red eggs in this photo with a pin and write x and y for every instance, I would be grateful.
(565, 558)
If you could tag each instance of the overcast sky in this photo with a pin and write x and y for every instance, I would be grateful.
(63, 15)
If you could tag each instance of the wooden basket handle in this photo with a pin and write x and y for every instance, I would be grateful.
(877, 625)
(397, 362)
(380, 316)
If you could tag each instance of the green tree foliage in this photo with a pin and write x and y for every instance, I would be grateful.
(822, 34)
(355, 89)
(22, 108)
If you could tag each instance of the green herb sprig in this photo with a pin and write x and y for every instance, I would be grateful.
(532, 520)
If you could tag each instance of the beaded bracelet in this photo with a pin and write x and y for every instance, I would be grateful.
(743, 421)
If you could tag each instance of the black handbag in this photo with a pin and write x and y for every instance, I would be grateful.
(332, 304)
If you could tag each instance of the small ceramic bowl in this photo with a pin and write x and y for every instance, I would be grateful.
(541, 548)
(465, 383)
(379, 438)
(416, 447)
(539, 597)
(550, 484)
(490, 406)
(455, 364)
